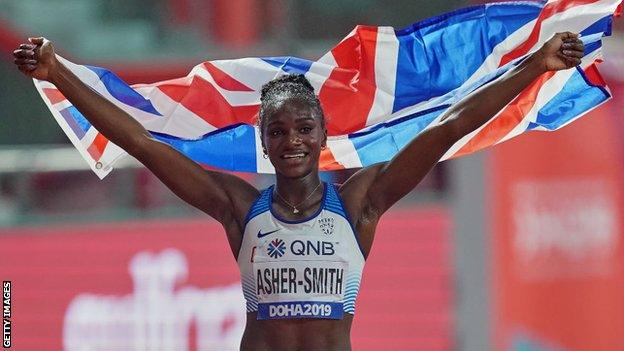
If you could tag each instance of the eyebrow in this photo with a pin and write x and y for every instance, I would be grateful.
(274, 122)
(301, 119)
(298, 120)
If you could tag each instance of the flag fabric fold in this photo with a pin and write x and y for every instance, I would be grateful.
(379, 88)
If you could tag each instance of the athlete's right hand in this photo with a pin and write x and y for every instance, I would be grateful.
(36, 59)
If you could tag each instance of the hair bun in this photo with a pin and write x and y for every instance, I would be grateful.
(282, 83)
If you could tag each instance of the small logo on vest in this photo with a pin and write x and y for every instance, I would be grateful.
(261, 234)
(276, 248)
(326, 225)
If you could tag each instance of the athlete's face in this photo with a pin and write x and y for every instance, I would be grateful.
(293, 137)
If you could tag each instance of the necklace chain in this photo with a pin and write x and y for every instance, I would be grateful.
(294, 207)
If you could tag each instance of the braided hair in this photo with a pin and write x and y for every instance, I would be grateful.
(294, 87)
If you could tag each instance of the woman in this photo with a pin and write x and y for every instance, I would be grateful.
(300, 244)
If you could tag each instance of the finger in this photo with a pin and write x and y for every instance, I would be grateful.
(569, 61)
(568, 35)
(578, 46)
(576, 41)
(572, 53)
(37, 41)
(573, 61)
(573, 40)
(27, 46)
(23, 53)
(21, 61)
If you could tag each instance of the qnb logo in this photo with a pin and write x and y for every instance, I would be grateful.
(276, 248)
(308, 247)
(159, 314)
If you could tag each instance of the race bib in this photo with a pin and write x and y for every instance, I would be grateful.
(300, 289)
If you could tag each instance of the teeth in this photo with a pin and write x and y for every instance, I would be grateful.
(294, 156)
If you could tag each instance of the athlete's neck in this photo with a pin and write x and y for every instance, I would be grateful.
(296, 190)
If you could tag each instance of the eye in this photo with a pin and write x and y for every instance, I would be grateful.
(275, 132)
(305, 130)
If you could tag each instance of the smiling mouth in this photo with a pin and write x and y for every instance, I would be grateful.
(295, 156)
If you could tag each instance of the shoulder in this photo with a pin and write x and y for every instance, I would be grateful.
(242, 201)
(261, 203)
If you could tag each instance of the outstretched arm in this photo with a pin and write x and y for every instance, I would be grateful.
(374, 189)
(222, 196)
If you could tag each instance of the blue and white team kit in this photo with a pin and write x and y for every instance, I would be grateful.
(300, 269)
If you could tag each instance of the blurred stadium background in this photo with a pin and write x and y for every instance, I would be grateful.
(516, 248)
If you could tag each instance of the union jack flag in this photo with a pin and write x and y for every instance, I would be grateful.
(379, 88)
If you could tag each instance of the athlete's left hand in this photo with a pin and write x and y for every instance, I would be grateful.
(562, 51)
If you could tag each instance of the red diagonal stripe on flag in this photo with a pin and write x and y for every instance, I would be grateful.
(507, 119)
(548, 11)
(224, 80)
(204, 100)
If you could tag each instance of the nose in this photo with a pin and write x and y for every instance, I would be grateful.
(294, 139)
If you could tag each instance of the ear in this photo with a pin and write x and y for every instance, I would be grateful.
(261, 137)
